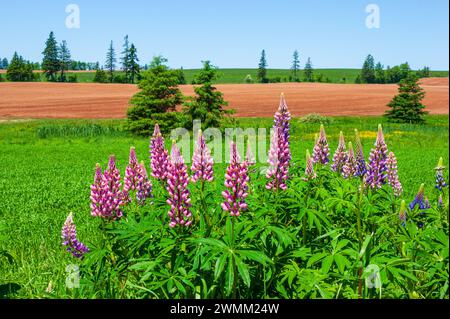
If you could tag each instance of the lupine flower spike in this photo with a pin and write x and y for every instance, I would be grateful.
(279, 155)
(309, 168)
(131, 175)
(143, 185)
(202, 162)
(69, 237)
(362, 167)
(96, 192)
(179, 196)
(350, 167)
(376, 174)
(340, 156)
(159, 157)
(403, 214)
(440, 181)
(321, 150)
(281, 120)
(236, 182)
(392, 174)
(112, 196)
(419, 200)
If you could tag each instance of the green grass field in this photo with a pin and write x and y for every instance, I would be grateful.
(238, 75)
(48, 166)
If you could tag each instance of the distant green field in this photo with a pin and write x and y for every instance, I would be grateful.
(235, 76)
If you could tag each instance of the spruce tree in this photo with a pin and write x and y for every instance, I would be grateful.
(110, 63)
(380, 76)
(125, 59)
(295, 67)
(406, 106)
(207, 105)
(19, 69)
(50, 62)
(262, 68)
(308, 73)
(134, 68)
(64, 60)
(368, 70)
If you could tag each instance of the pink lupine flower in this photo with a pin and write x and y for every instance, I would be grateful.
(376, 174)
(340, 156)
(309, 168)
(281, 120)
(321, 150)
(362, 167)
(236, 182)
(350, 167)
(392, 174)
(143, 185)
(179, 196)
(279, 156)
(69, 237)
(112, 196)
(159, 157)
(249, 157)
(96, 192)
(202, 162)
(130, 179)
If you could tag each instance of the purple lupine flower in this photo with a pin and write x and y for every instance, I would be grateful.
(392, 174)
(69, 237)
(249, 157)
(112, 196)
(159, 157)
(321, 150)
(309, 168)
(362, 166)
(202, 162)
(143, 185)
(179, 196)
(130, 179)
(419, 200)
(279, 156)
(281, 120)
(97, 192)
(236, 182)
(440, 181)
(376, 174)
(340, 156)
(350, 167)
(403, 214)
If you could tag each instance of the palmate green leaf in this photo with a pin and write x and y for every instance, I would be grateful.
(255, 255)
(229, 276)
(315, 258)
(341, 262)
(213, 243)
(326, 263)
(243, 270)
(220, 265)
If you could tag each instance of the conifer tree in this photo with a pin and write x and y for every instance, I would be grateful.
(50, 62)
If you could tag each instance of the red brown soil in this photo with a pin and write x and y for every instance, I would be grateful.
(86, 100)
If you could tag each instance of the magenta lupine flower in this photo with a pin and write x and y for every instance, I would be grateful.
(236, 182)
(130, 179)
(309, 168)
(281, 120)
(112, 196)
(143, 185)
(340, 156)
(376, 174)
(440, 181)
(392, 174)
(249, 157)
(362, 166)
(403, 214)
(279, 156)
(321, 150)
(69, 237)
(350, 167)
(419, 200)
(202, 162)
(159, 157)
(179, 196)
(96, 192)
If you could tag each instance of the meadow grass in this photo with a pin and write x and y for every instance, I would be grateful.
(47, 167)
(236, 76)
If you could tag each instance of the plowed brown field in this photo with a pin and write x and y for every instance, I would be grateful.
(83, 100)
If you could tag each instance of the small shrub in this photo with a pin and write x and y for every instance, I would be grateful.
(315, 118)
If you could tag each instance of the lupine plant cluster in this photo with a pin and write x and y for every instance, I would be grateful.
(331, 226)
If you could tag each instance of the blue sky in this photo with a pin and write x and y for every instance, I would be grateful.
(232, 33)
